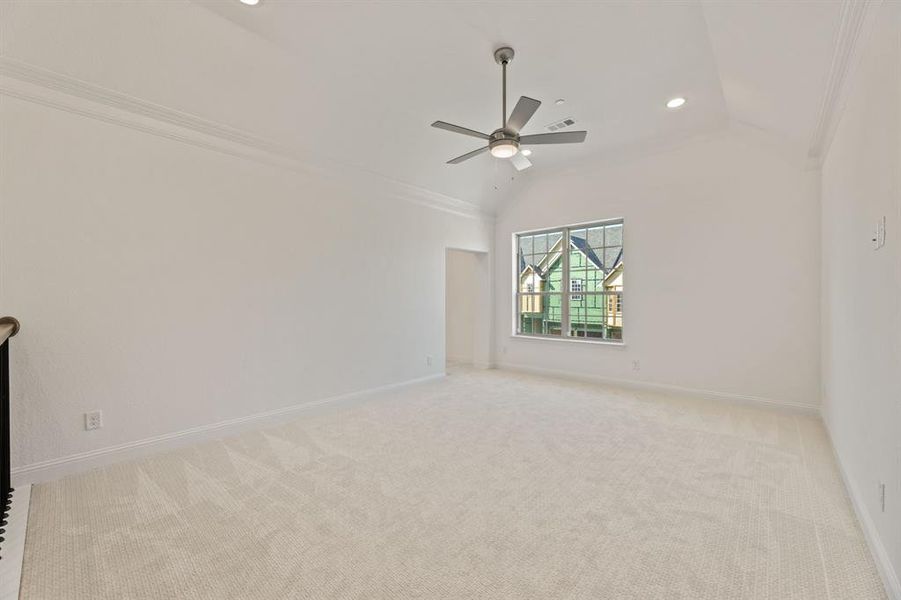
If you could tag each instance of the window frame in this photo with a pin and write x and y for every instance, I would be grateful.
(566, 300)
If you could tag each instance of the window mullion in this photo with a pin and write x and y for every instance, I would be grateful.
(564, 304)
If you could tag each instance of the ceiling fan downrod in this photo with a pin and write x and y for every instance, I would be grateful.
(503, 56)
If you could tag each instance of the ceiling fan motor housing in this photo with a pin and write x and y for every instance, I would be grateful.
(503, 137)
(503, 143)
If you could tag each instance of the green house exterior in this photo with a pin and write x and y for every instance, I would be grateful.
(593, 315)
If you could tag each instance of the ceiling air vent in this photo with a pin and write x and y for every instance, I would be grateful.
(558, 125)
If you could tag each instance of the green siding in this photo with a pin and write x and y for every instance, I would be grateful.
(590, 311)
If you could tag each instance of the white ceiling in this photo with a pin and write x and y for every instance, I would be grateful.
(359, 82)
(774, 60)
(383, 71)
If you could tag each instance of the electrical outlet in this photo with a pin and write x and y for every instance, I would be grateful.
(428, 360)
(636, 365)
(879, 234)
(93, 420)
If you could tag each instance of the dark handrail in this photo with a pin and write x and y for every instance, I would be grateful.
(9, 327)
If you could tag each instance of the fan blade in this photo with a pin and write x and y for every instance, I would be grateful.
(466, 156)
(458, 129)
(520, 162)
(561, 137)
(522, 112)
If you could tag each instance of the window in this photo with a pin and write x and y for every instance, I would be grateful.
(569, 282)
(575, 286)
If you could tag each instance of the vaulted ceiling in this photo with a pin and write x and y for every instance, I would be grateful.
(358, 83)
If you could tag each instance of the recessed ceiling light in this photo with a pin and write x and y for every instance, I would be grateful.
(525, 152)
(250, 2)
(559, 101)
(675, 102)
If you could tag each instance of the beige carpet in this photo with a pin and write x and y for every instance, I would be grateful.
(481, 485)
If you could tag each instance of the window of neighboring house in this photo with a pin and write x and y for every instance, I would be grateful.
(581, 272)
(575, 286)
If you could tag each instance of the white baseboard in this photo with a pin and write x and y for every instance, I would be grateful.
(75, 463)
(811, 409)
(469, 362)
(889, 577)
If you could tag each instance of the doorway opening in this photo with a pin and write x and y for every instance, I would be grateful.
(467, 309)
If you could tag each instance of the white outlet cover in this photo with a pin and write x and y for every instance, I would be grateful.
(93, 420)
(879, 234)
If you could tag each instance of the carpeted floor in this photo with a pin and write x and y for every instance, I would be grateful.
(486, 484)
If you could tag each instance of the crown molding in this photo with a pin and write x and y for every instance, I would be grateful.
(57, 82)
(855, 23)
(34, 84)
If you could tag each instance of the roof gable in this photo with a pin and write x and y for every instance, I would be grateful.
(530, 269)
(554, 254)
(582, 246)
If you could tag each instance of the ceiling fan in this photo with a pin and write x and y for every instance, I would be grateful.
(505, 141)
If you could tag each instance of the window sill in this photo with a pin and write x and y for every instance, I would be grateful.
(574, 340)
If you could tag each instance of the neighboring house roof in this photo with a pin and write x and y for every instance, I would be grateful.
(554, 253)
(619, 259)
(582, 246)
(616, 270)
(524, 269)
(534, 269)
(546, 262)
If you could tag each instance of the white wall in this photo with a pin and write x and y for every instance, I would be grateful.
(163, 276)
(861, 181)
(173, 286)
(460, 305)
(722, 263)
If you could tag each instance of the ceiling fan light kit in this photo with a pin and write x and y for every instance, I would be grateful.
(503, 147)
(505, 141)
